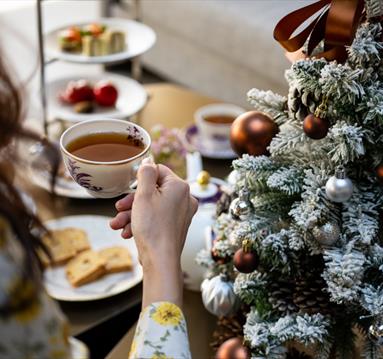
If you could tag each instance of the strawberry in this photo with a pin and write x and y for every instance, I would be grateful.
(77, 91)
(105, 93)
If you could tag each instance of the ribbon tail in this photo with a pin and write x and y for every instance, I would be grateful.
(287, 25)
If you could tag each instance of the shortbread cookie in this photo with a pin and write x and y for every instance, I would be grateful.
(117, 259)
(84, 268)
(60, 250)
(64, 244)
(78, 238)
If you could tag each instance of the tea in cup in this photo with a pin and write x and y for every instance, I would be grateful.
(214, 123)
(103, 156)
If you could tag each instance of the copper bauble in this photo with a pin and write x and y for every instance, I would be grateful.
(315, 127)
(232, 349)
(252, 133)
(379, 173)
(245, 261)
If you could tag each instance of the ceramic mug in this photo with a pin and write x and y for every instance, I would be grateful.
(216, 136)
(104, 179)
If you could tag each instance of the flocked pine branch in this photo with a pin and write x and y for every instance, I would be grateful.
(341, 84)
(343, 274)
(346, 143)
(287, 180)
(372, 299)
(360, 216)
(366, 47)
(374, 8)
(270, 103)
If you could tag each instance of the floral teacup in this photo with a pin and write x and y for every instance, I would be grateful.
(104, 179)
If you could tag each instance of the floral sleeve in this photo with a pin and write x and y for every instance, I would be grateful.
(161, 333)
(31, 324)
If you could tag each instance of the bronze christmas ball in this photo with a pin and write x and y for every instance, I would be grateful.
(315, 127)
(232, 349)
(252, 133)
(379, 173)
(245, 262)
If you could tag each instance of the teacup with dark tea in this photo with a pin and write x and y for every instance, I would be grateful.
(103, 155)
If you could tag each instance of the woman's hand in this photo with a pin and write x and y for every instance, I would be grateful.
(158, 215)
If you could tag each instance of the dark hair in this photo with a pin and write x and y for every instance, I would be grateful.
(12, 207)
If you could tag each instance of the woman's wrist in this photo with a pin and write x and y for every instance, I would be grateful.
(163, 282)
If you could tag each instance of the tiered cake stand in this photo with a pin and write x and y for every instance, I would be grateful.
(140, 38)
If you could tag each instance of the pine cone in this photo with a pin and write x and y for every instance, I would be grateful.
(227, 327)
(309, 296)
(301, 103)
(223, 203)
(281, 297)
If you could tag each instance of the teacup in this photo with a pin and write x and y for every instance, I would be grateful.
(216, 135)
(104, 179)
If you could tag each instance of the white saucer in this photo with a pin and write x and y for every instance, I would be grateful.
(194, 142)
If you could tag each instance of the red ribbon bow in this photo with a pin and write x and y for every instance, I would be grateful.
(336, 25)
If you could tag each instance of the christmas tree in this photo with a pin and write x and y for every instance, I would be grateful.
(298, 245)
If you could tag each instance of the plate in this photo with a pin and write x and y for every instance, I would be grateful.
(100, 236)
(139, 39)
(132, 98)
(39, 174)
(194, 142)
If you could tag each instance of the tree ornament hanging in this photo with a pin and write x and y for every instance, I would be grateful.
(218, 295)
(339, 187)
(252, 133)
(232, 349)
(241, 207)
(376, 331)
(327, 234)
(379, 173)
(316, 125)
(245, 259)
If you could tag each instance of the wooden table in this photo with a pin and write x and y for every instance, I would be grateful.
(172, 106)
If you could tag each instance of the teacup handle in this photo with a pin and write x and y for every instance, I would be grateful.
(146, 160)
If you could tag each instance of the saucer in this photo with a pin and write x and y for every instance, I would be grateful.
(194, 142)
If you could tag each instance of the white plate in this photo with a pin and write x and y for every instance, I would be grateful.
(132, 98)
(64, 187)
(40, 176)
(100, 236)
(139, 39)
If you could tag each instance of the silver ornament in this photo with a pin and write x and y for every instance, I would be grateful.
(218, 296)
(376, 332)
(327, 234)
(241, 207)
(339, 187)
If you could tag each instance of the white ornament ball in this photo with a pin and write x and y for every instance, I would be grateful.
(218, 296)
(339, 188)
(327, 234)
(376, 332)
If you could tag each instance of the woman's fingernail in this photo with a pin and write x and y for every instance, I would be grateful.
(147, 161)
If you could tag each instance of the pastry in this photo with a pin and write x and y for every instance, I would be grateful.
(84, 268)
(70, 39)
(117, 259)
(93, 46)
(114, 41)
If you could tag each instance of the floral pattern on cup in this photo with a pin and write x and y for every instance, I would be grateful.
(83, 179)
